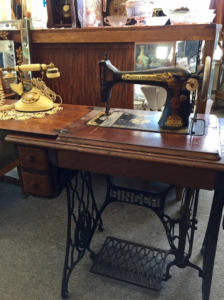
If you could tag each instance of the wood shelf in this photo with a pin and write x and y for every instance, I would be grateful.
(133, 34)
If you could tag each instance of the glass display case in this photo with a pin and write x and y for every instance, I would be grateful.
(186, 54)
(7, 53)
(154, 55)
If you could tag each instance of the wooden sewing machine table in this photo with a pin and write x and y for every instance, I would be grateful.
(64, 141)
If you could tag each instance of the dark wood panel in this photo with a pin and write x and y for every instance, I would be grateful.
(133, 168)
(78, 65)
(33, 158)
(40, 185)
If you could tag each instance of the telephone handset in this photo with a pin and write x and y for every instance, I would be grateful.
(40, 97)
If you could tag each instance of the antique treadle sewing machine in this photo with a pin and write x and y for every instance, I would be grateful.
(175, 147)
(119, 134)
(179, 84)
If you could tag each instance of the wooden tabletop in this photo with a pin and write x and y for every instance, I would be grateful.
(199, 147)
(49, 125)
(145, 146)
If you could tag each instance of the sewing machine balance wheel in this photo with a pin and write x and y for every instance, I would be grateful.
(205, 82)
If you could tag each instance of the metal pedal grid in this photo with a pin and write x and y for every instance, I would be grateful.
(128, 261)
(131, 262)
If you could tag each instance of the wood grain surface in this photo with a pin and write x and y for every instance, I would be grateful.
(78, 65)
(122, 34)
(200, 147)
(46, 126)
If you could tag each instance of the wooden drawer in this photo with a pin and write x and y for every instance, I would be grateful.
(33, 158)
(40, 185)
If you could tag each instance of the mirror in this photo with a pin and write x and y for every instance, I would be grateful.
(7, 54)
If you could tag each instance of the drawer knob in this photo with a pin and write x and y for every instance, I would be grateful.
(34, 185)
(30, 159)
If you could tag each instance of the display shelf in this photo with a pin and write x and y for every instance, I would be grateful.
(205, 32)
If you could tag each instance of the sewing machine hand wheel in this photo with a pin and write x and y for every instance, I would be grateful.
(206, 77)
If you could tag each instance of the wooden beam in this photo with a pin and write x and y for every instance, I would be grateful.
(133, 34)
(9, 167)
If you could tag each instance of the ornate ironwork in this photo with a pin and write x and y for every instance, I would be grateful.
(182, 243)
(131, 262)
(153, 200)
(83, 218)
(177, 230)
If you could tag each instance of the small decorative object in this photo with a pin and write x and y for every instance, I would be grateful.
(63, 13)
(142, 60)
(91, 13)
(28, 17)
(115, 8)
(19, 54)
(66, 10)
(35, 103)
(117, 21)
(9, 78)
(4, 35)
(139, 10)
(5, 89)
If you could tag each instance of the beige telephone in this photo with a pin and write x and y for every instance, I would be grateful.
(40, 98)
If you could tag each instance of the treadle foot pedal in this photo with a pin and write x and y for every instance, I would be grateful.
(131, 262)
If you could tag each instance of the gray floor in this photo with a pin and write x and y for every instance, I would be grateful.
(32, 245)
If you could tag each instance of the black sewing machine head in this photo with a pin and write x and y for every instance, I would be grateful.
(178, 82)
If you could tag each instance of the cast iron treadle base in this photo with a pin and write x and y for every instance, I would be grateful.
(131, 262)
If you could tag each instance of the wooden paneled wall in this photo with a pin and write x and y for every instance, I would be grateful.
(78, 64)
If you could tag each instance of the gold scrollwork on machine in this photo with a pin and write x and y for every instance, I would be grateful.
(174, 120)
(4, 34)
(163, 77)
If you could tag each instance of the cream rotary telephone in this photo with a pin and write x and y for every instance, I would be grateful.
(40, 98)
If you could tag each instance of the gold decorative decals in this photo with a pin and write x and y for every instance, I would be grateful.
(174, 120)
(163, 77)
(98, 116)
(4, 35)
(19, 54)
(140, 121)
